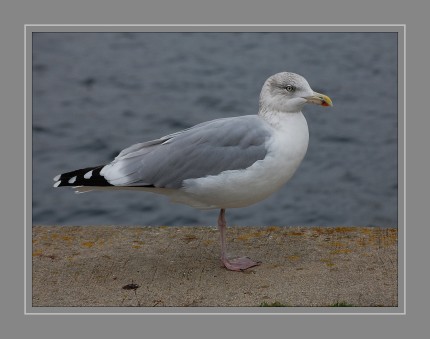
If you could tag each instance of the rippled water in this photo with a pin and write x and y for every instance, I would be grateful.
(97, 93)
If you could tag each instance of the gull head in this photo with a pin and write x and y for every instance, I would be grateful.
(289, 92)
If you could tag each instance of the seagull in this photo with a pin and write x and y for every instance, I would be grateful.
(224, 163)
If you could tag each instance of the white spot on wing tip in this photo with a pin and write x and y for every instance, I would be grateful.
(57, 184)
(72, 180)
(88, 174)
(57, 177)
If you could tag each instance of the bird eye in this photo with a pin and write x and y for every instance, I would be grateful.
(290, 88)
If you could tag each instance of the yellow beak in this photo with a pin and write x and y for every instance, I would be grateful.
(319, 99)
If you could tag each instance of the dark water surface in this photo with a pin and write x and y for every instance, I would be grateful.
(97, 93)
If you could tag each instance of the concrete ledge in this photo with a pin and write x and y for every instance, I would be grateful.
(179, 266)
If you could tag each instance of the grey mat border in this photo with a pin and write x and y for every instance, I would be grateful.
(400, 29)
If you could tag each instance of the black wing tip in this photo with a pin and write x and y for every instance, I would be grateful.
(89, 176)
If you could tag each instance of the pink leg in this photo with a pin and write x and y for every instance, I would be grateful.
(237, 264)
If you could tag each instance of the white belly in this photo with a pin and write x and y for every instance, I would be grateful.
(238, 188)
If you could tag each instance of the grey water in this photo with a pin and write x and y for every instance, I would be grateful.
(93, 94)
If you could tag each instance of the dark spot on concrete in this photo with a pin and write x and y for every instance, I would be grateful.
(131, 287)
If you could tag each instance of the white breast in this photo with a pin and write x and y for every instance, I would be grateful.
(238, 188)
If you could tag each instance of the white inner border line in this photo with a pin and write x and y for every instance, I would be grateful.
(404, 170)
(25, 170)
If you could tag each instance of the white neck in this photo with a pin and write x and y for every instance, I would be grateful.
(277, 119)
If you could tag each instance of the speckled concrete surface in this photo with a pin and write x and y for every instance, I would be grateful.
(179, 266)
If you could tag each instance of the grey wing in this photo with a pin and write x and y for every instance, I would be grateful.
(205, 149)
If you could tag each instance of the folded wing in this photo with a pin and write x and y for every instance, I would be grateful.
(205, 149)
